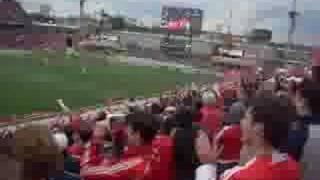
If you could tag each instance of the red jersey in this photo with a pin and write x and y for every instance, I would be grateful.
(230, 138)
(132, 168)
(92, 155)
(162, 163)
(76, 150)
(211, 118)
(268, 167)
(134, 165)
(133, 151)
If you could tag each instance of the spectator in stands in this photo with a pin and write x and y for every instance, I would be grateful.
(229, 95)
(185, 153)
(167, 126)
(10, 168)
(169, 112)
(98, 116)
(230, 138)
(197, 111)
(36, 151)
(71, 165)
(118, 136)
(281, 83)
(211, 113)
(247, 91)
(202, 144)
(162, 164)
(155, 108)
(82, 133)
(69, 133)
(56, 128)
(135, 162)
(298, 132)
(264, 128)
(188, 99)
(308, 98)
(191, 146)
(93, 150)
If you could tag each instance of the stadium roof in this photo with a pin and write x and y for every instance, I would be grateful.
(54, 25)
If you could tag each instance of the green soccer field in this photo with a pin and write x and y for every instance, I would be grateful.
(29, 86)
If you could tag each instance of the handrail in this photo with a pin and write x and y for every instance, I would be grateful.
(39, 117)
(30, 119)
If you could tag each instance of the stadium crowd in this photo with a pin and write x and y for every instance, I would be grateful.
(247, 130)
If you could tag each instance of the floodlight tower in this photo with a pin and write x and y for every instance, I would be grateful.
(82, 25)
(292, 25)
(230, 22)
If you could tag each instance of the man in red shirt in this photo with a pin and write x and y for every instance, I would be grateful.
(162, 163)
(81, 135)
(229, 138)
(135, 163)
(264, 128)
(93, 152)
(211, 113)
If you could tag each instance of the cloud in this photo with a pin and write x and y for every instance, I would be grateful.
(59, 7)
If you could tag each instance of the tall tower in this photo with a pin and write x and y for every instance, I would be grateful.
(230, 22)
(292, 24)
(228, 35)
(82, 24)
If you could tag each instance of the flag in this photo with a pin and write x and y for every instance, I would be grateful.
(63, 106)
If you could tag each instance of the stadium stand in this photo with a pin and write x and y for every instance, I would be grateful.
(188, 133)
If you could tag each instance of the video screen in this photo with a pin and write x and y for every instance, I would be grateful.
(181, 20)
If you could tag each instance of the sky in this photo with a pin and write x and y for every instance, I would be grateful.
(246, 14)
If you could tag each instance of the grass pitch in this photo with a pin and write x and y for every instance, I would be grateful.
(33, 82)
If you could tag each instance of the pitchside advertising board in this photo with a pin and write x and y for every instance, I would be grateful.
(181, 20)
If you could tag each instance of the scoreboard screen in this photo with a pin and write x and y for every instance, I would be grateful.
(181, 20)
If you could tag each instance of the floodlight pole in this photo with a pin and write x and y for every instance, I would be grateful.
(292, 24)
(82, 25)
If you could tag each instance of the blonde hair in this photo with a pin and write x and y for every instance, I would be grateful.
(36, 150)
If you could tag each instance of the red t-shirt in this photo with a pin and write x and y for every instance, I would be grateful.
(134, 165)
(162, 163)
(124, 170)
(76, 150)
(268, 167)
(211, 118)
(230, 138)
(92, 155)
